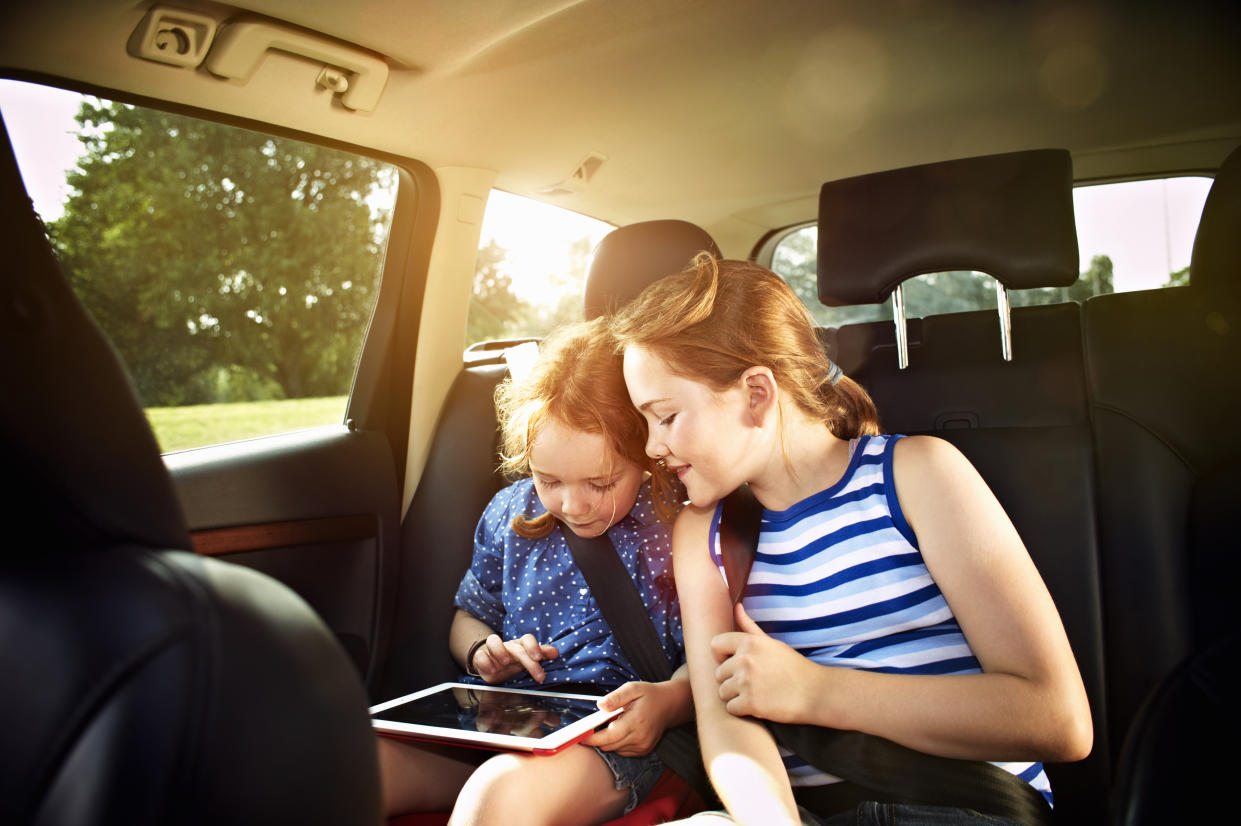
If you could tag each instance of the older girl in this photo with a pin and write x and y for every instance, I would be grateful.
(890, 594)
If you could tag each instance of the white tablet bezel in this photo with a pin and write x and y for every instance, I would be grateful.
(549, 744)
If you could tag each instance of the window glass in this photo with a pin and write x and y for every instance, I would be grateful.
(531, 268)
(234, 272)
(1136, 235)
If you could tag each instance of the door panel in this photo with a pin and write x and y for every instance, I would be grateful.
(315, 509)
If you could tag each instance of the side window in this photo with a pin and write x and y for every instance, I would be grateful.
(1136, 235)
(530, 270)
(234, 271)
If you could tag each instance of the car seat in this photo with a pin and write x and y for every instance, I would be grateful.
(143, 684)
(1168, 397)
(1009, 392)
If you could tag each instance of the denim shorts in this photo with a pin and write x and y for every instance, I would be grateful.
(638, 774)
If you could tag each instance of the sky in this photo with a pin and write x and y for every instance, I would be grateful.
(1146, 227)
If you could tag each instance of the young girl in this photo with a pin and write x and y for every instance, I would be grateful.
(890, 594)
(525, 616)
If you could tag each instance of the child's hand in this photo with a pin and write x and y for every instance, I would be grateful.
(499, 660)
(637, 729)
(758, 676)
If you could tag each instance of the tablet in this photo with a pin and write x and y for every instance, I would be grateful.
(510, 719)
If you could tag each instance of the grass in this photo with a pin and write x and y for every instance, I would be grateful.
(182, 428)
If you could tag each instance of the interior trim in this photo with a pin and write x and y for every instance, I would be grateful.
(217, 541)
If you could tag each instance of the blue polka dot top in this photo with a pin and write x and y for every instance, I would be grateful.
(518, 586)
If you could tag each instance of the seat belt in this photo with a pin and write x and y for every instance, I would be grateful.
(883, 770)
(630, 621)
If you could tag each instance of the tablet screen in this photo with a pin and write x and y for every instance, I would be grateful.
(491, 716)
(496, 712)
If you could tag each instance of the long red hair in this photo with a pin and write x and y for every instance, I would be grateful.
(717, 318)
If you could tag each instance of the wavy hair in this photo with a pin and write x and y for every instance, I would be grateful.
(576, 381)
(717, 318)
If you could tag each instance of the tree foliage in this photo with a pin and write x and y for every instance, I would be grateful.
(934, 294)
(497, 312)
(225, 265)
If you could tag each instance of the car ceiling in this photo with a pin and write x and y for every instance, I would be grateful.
(729, 113)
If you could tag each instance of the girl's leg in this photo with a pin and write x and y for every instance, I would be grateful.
(574, 787)
(422, 777)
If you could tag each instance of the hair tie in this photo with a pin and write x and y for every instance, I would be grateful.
(833, 372)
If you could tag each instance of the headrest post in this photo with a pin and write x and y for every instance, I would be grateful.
(902, 334)
(1006, 320)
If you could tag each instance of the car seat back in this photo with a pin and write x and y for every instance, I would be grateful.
(143, 684)
(1022, 422)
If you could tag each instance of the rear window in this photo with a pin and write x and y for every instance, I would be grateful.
(531, 268)
(234, 272)
(1136, 235)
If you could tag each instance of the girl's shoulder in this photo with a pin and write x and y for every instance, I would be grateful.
(927, 462)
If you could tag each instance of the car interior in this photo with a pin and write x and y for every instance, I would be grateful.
(195, 634)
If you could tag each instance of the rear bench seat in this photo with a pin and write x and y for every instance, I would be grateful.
(1023, 423)
(1109, 438)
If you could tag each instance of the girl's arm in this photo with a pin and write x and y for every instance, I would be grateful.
(1029, 702)
(739, 753)
(496, 660)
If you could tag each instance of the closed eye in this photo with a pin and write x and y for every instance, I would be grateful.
(667, 420)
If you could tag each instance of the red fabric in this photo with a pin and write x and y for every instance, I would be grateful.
(671, 799)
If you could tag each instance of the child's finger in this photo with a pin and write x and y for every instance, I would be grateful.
(623, 696)
(725, 645)
(532, 647)
(498, 651)
(744, 623)
(519, 653)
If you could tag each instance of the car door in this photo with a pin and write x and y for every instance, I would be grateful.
(264, 292)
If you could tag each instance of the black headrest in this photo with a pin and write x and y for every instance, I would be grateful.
(630, 258)
(1216, 262)
(1009, 216)
(82, 463)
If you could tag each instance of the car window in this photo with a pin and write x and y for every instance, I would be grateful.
(233, 271)
(1134, 235)
(531, 268)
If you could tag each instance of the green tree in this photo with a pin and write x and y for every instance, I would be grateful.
(1098, 279)
(224, 264)
(1180, 278)
(493, 305)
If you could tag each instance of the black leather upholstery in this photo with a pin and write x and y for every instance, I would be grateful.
(630, 258)
(1010, 216)
(142, 684)
(1166, 396)
(1024, 424)
(1173, 768)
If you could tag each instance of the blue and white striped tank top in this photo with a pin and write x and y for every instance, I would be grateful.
(839, 577)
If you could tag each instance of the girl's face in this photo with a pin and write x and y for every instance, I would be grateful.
(580, 480)
(699, 433)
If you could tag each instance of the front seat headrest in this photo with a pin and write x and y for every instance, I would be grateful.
(97, 477)
(632, 257)
(1009, 216)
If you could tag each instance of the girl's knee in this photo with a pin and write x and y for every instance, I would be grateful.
(500, 785)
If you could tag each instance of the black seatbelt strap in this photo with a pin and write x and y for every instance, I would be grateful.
(883, 770)
(630, 621)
